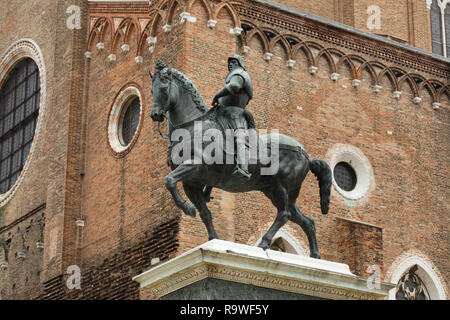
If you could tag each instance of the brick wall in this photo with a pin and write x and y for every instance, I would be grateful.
(360, 246)
(406, 20)
(112, 278)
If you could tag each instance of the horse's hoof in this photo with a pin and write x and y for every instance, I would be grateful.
(315, 255)
(263, 246)
(190, 210)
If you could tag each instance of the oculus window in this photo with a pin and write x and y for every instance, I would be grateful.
(129, 121)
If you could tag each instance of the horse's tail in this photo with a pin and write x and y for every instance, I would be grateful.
(323, 173)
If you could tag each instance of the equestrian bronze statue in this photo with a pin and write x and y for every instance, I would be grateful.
(188, 116)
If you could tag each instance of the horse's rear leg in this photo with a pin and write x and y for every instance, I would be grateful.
(279, 198)
(197, 196)
(181, 173)
(308, 226)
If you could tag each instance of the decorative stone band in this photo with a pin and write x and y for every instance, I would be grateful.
(297, 21)
(25, 48)
(253, 266)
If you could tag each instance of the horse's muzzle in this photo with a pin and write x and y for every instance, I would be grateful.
(157, 116)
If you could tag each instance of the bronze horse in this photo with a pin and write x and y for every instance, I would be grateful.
(174, 94)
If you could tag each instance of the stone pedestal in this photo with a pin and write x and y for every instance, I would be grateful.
(225, 270)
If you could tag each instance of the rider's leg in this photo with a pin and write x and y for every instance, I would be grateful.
(243, 154)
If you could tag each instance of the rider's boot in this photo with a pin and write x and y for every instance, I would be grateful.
(241, 169)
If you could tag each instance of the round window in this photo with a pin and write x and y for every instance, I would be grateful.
(125, 120)
(352, 173)
(345, 176)
(129, 121)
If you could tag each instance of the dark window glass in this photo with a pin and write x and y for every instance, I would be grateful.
(278, 245)
(19, 109)
(447, 28)
(436, 29)
(345, 176)
(130, 121)
(411, 287)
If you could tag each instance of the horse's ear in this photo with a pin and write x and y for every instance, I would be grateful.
(151, 74)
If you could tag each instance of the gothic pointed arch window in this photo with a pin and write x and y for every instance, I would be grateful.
(416, 278)
(284, 241)
(440, 26)
(411, 286)
(19, 110)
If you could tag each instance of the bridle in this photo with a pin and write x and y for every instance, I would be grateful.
(166, 136)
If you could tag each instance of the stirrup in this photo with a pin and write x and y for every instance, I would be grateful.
(241, 173)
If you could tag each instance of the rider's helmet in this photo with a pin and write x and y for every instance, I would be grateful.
(239, 59)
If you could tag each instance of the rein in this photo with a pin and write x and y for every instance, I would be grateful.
(165, 136)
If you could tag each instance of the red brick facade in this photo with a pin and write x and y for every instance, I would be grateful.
(129, 215)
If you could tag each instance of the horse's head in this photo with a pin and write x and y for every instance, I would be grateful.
(162, 91)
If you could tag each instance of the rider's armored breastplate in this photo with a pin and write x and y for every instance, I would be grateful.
(244, 95)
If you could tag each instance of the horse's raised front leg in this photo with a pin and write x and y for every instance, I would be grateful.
(198, 198)
(181, 173)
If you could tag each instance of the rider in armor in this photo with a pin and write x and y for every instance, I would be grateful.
(234, 97)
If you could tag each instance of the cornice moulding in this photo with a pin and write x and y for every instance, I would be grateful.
(252, 265)
(341, 35)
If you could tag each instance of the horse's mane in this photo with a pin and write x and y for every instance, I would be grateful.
(190, 87)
